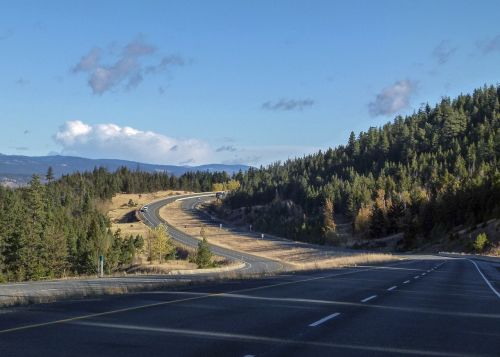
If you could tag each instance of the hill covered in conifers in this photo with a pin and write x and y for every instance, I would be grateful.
(423, 175)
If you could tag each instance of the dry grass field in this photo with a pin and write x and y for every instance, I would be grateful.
(122, 217)
(297, 256)
(118, 210)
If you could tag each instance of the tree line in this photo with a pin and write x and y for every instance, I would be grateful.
(53, 228)
(422, 174)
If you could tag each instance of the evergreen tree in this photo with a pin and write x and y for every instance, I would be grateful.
(378, 223)
(50, 174)
(395, 215)
(203, 256)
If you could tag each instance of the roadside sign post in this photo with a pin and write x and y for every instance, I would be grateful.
(220, 226)
(101, 266)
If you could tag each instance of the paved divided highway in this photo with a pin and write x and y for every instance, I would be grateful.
(253, 264)
(428, 306)
(433, 307)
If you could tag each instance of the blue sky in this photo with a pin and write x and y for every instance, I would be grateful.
(191, 82)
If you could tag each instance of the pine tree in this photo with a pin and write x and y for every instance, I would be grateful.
(50, 174)
(378, 222)
(395, 214)
(32, 250)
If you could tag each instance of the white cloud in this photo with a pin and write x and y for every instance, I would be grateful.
(393, 98)
(113, 141)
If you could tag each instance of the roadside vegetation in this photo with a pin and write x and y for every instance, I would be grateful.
(203, 256)
(296, 257)
(481, 242)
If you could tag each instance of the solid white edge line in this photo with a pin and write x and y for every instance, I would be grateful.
(324, 319)
(392, 288)
(195, 196)
(486, 280)
(369, 298)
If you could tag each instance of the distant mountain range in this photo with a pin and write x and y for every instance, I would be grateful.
(16, 170)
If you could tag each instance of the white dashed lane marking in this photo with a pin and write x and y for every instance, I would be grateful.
(324, 319)
(369, 298)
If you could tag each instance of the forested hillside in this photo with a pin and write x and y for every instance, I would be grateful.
(422, 175)
(60, 229)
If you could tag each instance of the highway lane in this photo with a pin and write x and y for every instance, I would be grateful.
(445, 308)
(253, 264)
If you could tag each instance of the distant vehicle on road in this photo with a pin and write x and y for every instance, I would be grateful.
(220, 195)
(144, 209)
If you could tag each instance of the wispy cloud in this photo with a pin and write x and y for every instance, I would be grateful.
(288, 104)
(88, 62)
(136, 60)
(489, 45)
(245, 160)
(444, 51)
(165, 62)
(20, 148)
(265, 154)
(393, 98)
(5, 34)
(22, 82)
(114, 141)
(228, 148)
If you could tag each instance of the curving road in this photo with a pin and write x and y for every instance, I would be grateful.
(253, 264)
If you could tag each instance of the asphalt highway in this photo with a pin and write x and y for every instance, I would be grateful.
(424, 305)
(428, 307)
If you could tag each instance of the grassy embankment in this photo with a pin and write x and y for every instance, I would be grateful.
(296, 256)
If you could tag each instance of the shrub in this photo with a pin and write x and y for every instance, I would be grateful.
(481, 242)
(203, 257)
